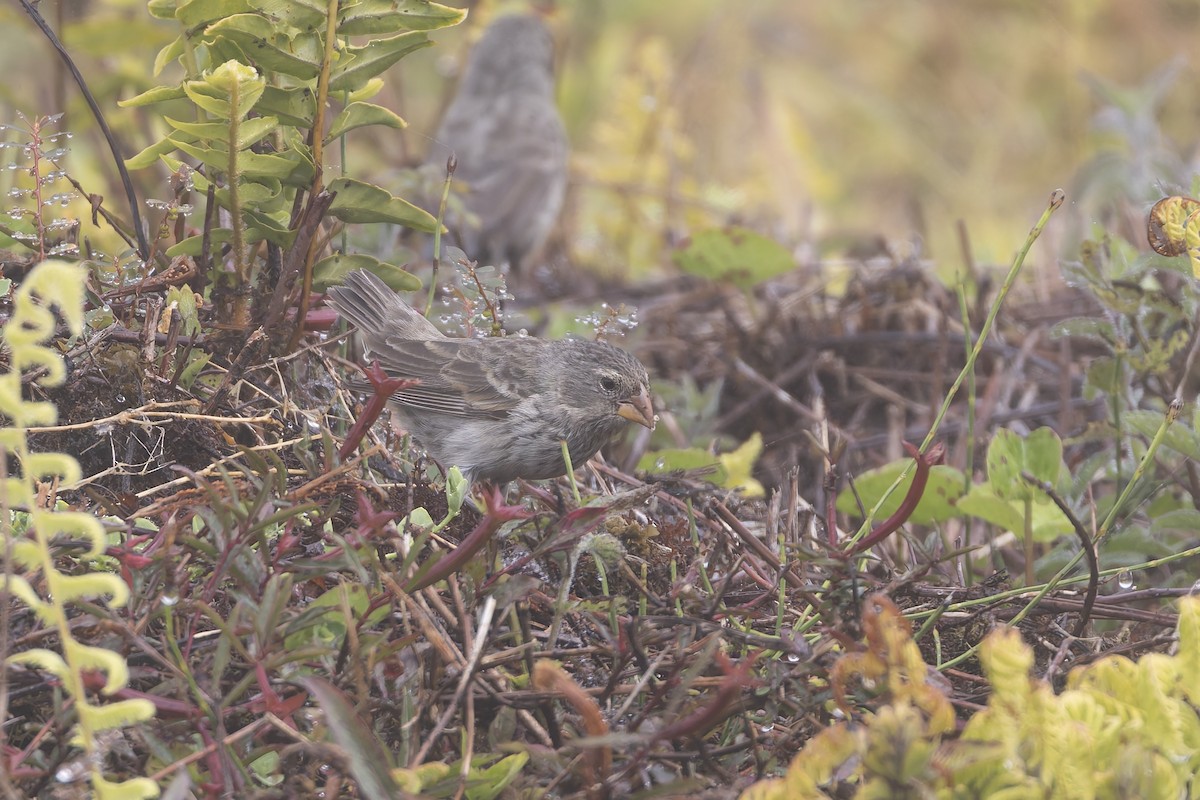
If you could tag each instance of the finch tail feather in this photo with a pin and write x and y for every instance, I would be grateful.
(372, 307)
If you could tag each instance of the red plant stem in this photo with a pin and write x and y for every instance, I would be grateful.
(497, 514)
(925, 461)
(385, 387)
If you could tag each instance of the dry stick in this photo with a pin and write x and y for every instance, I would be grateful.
(297, 261)
(424, 620)
(740, 410)
(98, 209)
(760, 549)
(550, 677)
(250, 351)
(485, 624)
(782, 395)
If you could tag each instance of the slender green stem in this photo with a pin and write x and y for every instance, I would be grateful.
(964, 312)
(451, 163)
(566, 453)
(1056, 200)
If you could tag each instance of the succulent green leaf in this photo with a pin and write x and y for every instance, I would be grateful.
(333, 270)
(269, 45)
(358, 115)
(360, 64)
(295, 106)
(373, 17)
(456, 490)
(359, 202)
(156, 95)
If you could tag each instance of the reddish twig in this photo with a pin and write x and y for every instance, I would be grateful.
(925, 462)
(496, 515)
(385, 386)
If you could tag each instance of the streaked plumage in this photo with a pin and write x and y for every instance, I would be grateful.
(499, 407)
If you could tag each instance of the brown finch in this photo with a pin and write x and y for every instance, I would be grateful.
(497, 408)
(509, 142)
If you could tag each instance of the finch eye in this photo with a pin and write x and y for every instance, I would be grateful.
(608, 383)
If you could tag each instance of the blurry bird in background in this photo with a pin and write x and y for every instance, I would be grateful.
(509, 142)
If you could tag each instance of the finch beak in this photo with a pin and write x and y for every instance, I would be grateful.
(638, 409)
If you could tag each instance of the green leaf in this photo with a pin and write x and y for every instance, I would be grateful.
(260, 38)
(333, 270)
(360, 64)
(166, 55)
(162, 9)
(369, 90)
(418, 517)
(1010, 454)
(183, 301)
(358, 115)
(739, 467)
(150, 156)
(368, 759)
(193, 245)
(1104, 375)
(292, 106)
(214, 91)
(488, 785)
(359, 202)
(249, 131)
(938, 502)
(194, 13)
(196, 364)
(456, 490)
(287, 168)
(158, 94)
(387, 16)
(298, 14)
(1178, 437)
(737, 255)
(1093, 328)
(1048, 520)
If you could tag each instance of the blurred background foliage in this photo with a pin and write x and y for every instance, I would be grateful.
(830, 127)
